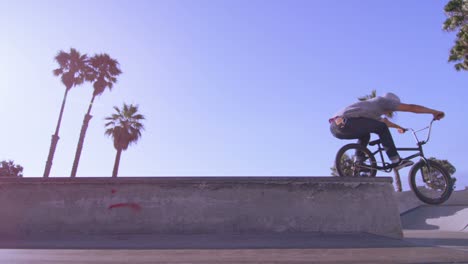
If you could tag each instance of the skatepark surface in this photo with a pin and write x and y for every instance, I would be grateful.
(452, 218)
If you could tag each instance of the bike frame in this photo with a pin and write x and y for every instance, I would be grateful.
(419, 149)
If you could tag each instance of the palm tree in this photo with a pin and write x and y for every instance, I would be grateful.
(73, 71)
(104, 71)
(125, 128)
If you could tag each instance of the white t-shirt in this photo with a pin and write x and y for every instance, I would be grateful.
(373, 108)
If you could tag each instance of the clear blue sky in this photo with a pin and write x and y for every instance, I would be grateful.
(229, 88)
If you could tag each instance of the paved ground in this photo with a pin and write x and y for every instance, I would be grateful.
(247, 248)
(429, 238)
(453, 218)
(413, 255)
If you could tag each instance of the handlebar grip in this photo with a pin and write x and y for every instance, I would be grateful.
(439, 116)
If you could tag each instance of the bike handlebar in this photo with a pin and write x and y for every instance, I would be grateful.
(428, 134)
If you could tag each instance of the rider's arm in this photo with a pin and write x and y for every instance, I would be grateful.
(391, 124)
(420, 110)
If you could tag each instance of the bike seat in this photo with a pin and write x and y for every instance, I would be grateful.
(375, 142)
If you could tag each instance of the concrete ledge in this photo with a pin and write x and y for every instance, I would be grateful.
(189, 205)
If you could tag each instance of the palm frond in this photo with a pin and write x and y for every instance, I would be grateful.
(105, 71)
(124, 126)
(139, 117)
(57, 72)
(62, 58)
(72, 67)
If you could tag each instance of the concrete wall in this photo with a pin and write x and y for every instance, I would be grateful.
(198, 205)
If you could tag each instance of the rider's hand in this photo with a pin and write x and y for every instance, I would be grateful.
(401, 130)
(438, 115)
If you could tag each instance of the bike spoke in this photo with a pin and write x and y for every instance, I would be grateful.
(355, 163)
(430, 182)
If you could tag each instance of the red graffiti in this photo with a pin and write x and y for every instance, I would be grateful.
(135, 207)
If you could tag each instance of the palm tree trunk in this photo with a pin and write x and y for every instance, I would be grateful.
(55, 138)
(79, 148)
(117, 163)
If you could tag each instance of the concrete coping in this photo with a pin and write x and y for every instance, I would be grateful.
(195, 180)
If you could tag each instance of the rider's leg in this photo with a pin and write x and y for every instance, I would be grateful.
(386, 139)
(364, 140)
(360, 128)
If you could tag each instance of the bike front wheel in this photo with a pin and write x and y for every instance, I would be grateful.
(354, 160)
(431, 182)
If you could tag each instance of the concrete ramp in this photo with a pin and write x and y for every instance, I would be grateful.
(197, 205)
(453, 218)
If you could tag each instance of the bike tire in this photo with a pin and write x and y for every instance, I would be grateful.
(346, 166)
(417, 171)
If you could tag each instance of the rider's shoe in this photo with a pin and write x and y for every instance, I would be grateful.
(401, 164)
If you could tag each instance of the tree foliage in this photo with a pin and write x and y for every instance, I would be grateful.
(457, 21)
(366, 97)
(10, 169)
(346, 162)
(446, 164)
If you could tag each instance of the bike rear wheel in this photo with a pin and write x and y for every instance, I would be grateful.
(354, 160)
(431, 182)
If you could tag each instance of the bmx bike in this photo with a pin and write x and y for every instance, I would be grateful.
(428, 179)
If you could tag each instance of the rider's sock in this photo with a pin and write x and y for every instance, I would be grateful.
(395, 159)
